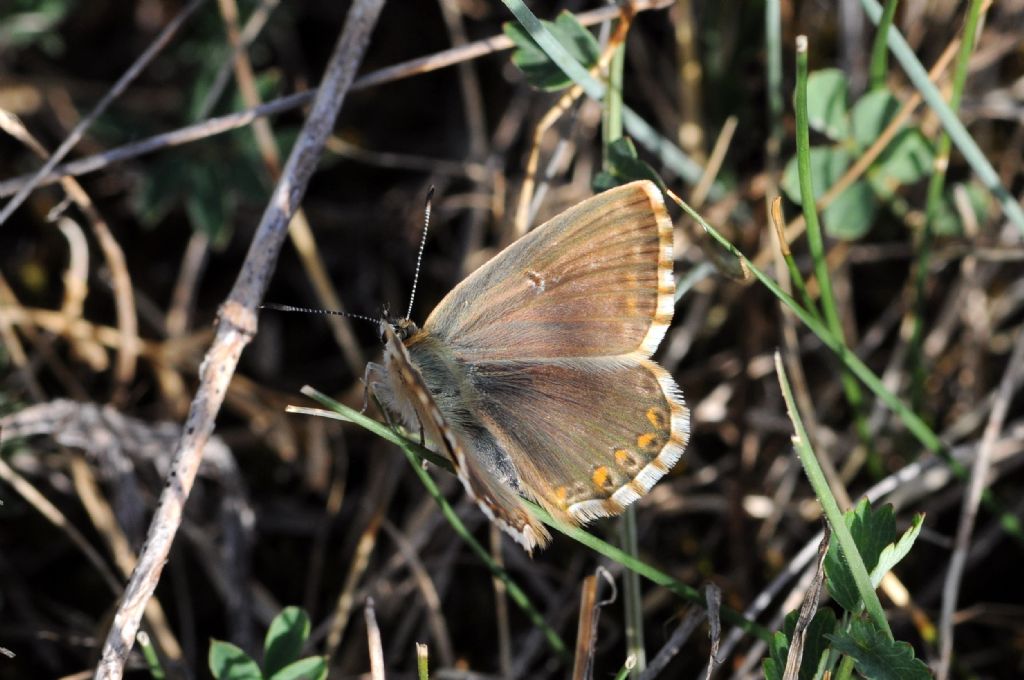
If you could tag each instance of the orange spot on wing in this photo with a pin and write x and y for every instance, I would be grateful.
(648, 440)
(656, 417)
(561, 495)
(622, 456)
(600, 476)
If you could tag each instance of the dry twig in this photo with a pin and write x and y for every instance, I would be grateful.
(237, 325)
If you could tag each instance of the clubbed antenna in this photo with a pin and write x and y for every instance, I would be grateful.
(423, 244)
(317, 310)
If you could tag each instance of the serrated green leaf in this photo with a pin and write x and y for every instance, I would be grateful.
(870, 115)
(535, 64)
(816, 642)
(908, 158)
(893, 553)
(229, 662)
(875, 656)
(285, 637)
(310, 668)
(826, 103)
(872, 531)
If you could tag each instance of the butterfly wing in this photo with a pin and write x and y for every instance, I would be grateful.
(404, 389)
(585, 436)
(594, 281)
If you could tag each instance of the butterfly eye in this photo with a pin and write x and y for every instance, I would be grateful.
(404, 328)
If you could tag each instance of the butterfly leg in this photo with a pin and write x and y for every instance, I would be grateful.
(375, 380)
(372, 378)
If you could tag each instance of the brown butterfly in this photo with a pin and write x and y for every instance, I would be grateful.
(533, 375)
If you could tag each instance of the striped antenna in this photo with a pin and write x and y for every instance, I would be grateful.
(317, 310)
(423, 244)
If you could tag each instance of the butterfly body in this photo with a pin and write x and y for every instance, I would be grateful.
(533, 375)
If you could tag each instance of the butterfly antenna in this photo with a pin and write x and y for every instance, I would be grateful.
(423, 244)
(317, 310)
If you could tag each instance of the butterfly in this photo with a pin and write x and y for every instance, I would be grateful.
(533, 375)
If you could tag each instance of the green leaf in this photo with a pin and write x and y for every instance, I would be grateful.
(229, 662)
(775, 663)
(870, 115)
(851, 214)
(624, 166)
(285, 637)
(603, 181)
(815, 642)
(875, 656)
(539, 70)
(908, 158)
(770, 669)
(826, 103)
(827, 163)
(872, 531)
(310, 668)
(893, 553)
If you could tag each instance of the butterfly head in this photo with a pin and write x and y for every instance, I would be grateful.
(402, 327)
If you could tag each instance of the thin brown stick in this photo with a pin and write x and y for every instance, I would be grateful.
(346, 599)
(690, 76)
(431, 598)
(714, 164)
(54, 516)
(103, 519)
(16, 352)
(14, 313)
(257, 20)
(376, 649)
(675, 642)
(193, 261)
(237, 325)
(124, 296)
(299, 231)
(586, 631)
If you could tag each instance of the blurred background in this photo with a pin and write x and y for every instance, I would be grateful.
(106, 312)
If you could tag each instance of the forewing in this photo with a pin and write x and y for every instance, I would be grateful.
(594, 281)
(588, 436)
